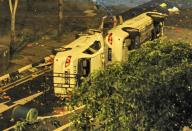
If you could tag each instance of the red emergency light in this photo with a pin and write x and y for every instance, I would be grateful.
(68, 61)
(110, 39)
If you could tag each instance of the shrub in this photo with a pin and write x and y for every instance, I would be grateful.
(151, 91)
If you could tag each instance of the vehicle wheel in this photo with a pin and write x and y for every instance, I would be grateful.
(157, 31)
(161, 29)
(154, 34)
(135, 43)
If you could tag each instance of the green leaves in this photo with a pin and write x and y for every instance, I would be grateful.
(151, 91)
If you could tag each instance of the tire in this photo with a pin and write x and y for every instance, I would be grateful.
(157, 31)
(160, 30)
(154, 34)
(135, 43)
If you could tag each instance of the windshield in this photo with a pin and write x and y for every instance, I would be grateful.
(93, 48)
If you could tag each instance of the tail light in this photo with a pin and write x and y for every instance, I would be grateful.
(68, 61)
(110, 39)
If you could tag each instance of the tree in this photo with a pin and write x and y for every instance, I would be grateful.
(13, 8)
(61, 8)
(151, 91)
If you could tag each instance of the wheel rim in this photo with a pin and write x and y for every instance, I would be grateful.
(137, 42)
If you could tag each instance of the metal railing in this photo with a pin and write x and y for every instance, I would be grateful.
(67, 80)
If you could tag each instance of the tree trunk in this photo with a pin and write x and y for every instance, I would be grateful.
(13, 8)
(13, 31)
(61, 8)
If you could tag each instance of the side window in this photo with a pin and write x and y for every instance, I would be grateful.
(93, 48)
(96, 45)
(88, 52)
(109, 54)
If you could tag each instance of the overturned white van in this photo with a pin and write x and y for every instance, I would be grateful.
(77, 60)
(133, 32)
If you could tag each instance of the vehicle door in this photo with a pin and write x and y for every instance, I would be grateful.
(96, 54)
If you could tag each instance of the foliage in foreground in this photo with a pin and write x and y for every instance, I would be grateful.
(151, 91)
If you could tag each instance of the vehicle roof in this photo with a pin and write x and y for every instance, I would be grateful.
(137, 22)
(80, 45)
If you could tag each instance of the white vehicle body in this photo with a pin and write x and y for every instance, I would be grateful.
(82, 57)
(91, 52)
(132, 33)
